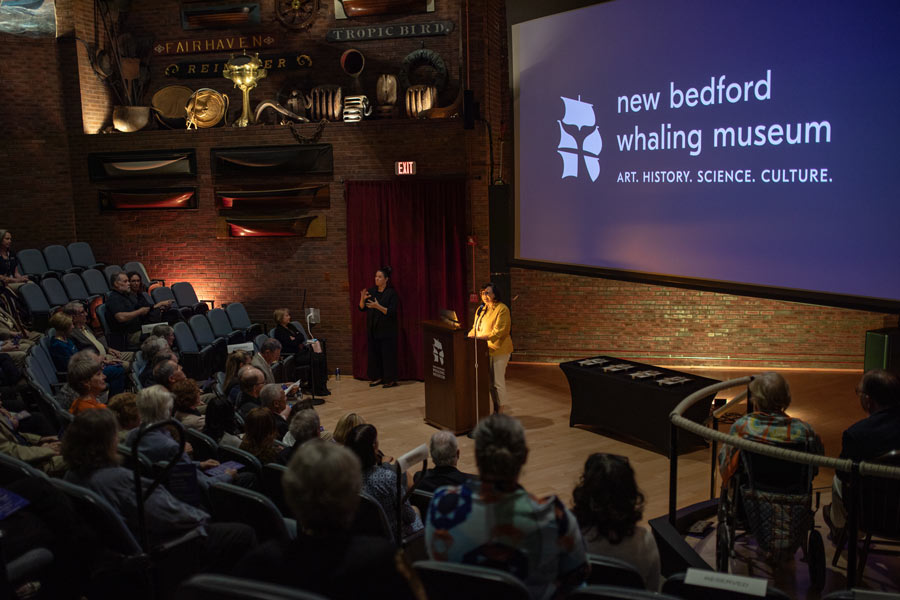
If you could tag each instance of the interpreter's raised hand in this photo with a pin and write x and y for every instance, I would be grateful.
(364, 295)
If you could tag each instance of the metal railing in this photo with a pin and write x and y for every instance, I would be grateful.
(855, 469)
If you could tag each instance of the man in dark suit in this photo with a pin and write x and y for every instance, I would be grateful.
(874, 436)
(445, 455)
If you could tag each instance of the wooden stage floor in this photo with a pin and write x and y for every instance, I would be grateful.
(539, 397)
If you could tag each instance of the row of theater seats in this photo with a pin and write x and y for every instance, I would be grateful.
(45, 297)
(55, 260)
(265, 511)
(202, 341)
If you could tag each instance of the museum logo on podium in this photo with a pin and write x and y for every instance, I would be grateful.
(579, 114)
(437, 368)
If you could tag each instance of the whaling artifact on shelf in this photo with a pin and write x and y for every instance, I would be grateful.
(285, 113)
(420, 98)
(206, 108)
(326, 102)
(356, 108)
(169, 105)
(245, 72)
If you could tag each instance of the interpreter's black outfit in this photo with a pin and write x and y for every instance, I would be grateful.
(293, 341)
(382, 332)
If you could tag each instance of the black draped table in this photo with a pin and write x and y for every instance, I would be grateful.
(632, 401)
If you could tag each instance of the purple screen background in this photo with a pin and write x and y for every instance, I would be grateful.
(830, 61)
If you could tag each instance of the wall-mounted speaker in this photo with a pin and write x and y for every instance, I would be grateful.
(883, 350)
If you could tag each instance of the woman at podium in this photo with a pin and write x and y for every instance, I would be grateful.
(492, 323)
(382, 329)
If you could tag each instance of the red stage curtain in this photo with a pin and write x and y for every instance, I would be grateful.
(419, 229)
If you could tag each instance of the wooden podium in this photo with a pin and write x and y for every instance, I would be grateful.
(450, 378)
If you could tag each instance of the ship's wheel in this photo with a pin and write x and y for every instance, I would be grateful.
(296, 14)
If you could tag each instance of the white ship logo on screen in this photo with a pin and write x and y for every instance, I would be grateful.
(580, 114)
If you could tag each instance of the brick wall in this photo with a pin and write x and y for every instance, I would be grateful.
(50, 199)
(672, 326)
(34, 154)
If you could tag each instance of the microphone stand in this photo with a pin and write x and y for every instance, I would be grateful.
(312, 359)
(478, 313)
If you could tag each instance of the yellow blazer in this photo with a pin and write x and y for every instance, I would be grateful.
(493, 324)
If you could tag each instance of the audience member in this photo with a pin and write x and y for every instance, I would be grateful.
(445, 456)
(187, 401)
(124, 406)
(40, 451)
(345, 425)
(15, 339)
(495, 523)
(269, 354)
(233, 363)
(84, 337)
(272, 398)
(608, 506)
(86, 377)
(380, 480)
(10, 275)
(159, 312)
(304, 426)
(870, 438)
(127, 311)
(62, 349)
(294, 341)
(90, 447)
(221, 423)
(321, 487)
(155, 405)
(165, 332)
(252, 381)
(769, 396)
(167, 373)
(259, 436)
(150, 348)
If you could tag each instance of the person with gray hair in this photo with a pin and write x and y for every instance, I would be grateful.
(305, 426)
(168, 373)
(155, 404)
(269, 354)
(272, 397)
(150, 349)
(768, 397)
(85, 377)
(495, 522)
(84, 338)
(321, 487)
(445, 455)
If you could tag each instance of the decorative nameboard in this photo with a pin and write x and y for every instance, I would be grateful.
(225, 43)
(385, 32)
(213, 68)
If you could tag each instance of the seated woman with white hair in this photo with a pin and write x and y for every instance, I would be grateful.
(768, 397)
(155, 405)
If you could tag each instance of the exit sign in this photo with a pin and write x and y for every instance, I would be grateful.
(405, 167)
